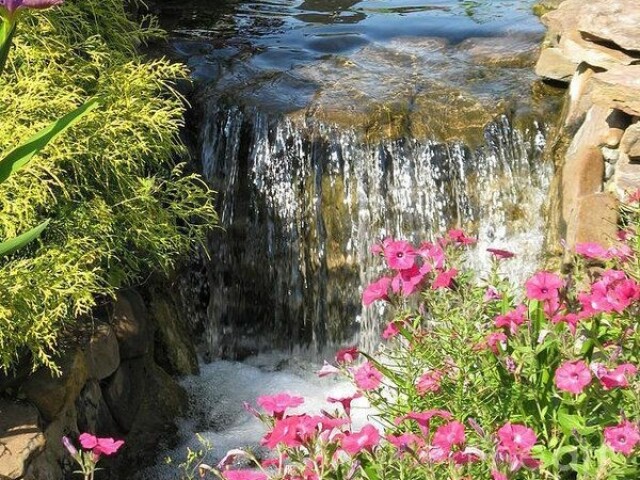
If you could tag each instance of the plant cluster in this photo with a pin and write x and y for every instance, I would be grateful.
(477, 379)
(119, 205)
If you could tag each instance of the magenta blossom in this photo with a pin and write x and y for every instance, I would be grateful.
(392, 330)
(458, 236)
(327, 369)
(543, 286)
(399, 254)
(100, 446)
(592, 250)
(347, 355)
(345, 401)
(616, 378)
(277, 404)
(444, 279)
(378, 290)
(367, 377)
(449, 435)
(495, 340)
(573, 377)
(366, 439)
(512, 319)
(13, 6)
(429, 382)
(622, 438)
(244, 475)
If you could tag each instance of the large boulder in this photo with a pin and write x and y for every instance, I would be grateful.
(49, 392)
(578, 49)
(626, 177)
(630, 142)
(20, 438)
(93, 412)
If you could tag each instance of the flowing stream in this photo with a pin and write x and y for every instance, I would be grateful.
(325, 126)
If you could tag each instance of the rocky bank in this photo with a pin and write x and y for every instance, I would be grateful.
(594, 49)
(116, 379)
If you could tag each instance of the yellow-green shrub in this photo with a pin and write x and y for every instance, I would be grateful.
(120, 205)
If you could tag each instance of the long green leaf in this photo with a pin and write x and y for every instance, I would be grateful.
(10, 246)
(21, 155)
(7, 30)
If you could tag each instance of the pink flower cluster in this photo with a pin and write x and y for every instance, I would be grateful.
(414, 267)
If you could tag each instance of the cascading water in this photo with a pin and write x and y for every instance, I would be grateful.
(302, 202)
(326, 126)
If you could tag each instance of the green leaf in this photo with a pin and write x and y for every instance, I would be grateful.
(7, 30)
(21, 155)
(569, 423)
(10, 246)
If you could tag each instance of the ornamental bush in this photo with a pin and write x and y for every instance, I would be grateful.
(477, 379)
(121, 205)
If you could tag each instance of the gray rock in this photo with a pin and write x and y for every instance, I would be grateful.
(20, 438)
(630, 142)
(618, 88)
(554, 65)
(131, 325)
(124, 391)
(102, 352)
(51, 393)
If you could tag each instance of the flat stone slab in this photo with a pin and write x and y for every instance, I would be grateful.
(618, 88)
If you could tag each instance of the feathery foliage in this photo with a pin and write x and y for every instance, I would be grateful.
(120, 205)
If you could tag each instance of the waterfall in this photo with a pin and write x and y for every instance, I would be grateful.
(301, 202)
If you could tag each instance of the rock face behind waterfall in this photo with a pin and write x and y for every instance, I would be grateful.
(595, 47)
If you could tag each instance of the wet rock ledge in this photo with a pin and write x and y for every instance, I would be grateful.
(594, 48)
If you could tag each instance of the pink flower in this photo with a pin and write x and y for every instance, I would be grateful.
(634, 197)
(400, 255)
(458, 236)
(391, 331)
(345, 401)
(491, 294)
(443, 279)
(449, 435)
(468, 455)
(619, 377)
(378, 290)
(496, 475)
(494, 340)
(405, 441)
(573, 377)
(366, 439)
(429, 382)
(622, 438)
(511, 320)
(367, 377)
(517, 440)
(407, 281)
(592, 250)
(622, 252)
(434, 254)
(543, 286)
(500, 254)
(292, 431)
(100, 446)
(424, 418)
(277, 404)
(327, 369)
(244, 475)
(347, 355)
